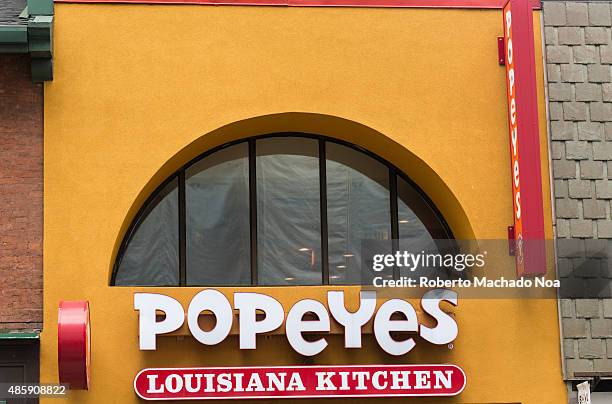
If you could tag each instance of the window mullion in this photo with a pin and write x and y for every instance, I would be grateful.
(323, 205)
(253, 209)
(394, 217)
(182, 230)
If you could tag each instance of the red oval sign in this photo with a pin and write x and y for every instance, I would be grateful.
(73, 344)
(299, 382)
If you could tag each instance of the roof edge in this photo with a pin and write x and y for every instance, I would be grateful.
(475, 4)
(35, 38)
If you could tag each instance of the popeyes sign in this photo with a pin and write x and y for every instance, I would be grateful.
(300, 382)
(303, 381)
(524, 138)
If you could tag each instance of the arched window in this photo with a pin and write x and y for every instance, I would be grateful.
(283, 209)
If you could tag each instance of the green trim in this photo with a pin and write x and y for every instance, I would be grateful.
(35, 38)
(13, 39)
(19, 335)
(40, 7)
(42, 69)
(40, 36)
(13, 34)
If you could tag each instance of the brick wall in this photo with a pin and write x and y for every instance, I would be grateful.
(21, 203)
(578, 61)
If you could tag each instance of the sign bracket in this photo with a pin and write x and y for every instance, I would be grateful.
(501, 51)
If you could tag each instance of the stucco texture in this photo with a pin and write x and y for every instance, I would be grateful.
(139, 90)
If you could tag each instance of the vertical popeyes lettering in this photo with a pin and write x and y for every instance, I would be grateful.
(524, 138)
(513, 123)
(249, 304)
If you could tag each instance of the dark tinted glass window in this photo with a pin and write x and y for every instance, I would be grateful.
(358, 209)
(151, 256)
(275, 210)
(217, 218)
(414, 236)
(288, 212)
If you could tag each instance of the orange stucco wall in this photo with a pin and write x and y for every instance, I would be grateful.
(139, 90)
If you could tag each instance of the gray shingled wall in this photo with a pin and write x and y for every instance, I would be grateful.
(10, 10)
(579, 61)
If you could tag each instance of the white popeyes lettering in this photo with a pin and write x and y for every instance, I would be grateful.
(446, 329)
(510, 55)
(249, 304)
(512, 106)
(383, 326)
(148, 304)
(352, 322)
(217, 303)
(508, 22)
(516, 173)
(514, 140)
(295, 326)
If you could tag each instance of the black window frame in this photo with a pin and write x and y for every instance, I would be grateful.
(444, 234)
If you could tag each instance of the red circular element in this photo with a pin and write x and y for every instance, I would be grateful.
(73, 344)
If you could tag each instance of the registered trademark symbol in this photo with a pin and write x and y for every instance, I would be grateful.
(451, 346)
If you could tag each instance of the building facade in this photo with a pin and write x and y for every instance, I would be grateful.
(214, 171)
(235, 127)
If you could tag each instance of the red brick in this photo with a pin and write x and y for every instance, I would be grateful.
(21, 203)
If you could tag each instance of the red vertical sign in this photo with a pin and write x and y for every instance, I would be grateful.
(524, 138)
